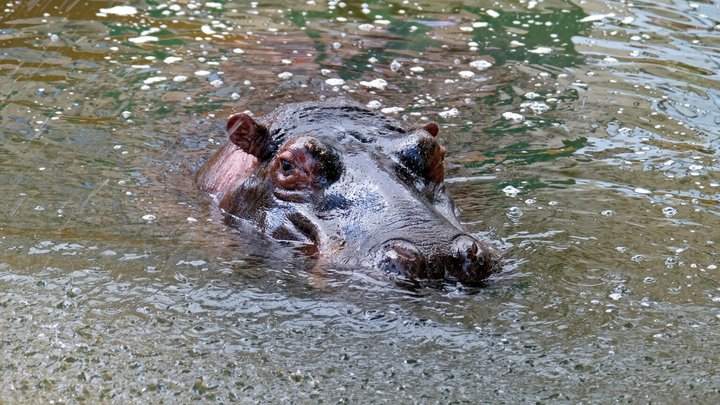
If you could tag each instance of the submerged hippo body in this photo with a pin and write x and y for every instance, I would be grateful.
(354, 185)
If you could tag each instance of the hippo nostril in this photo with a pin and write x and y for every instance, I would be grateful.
(402, 258)
(472, 264)
(466, 248)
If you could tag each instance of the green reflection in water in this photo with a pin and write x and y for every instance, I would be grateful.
(520, 153)
(544, 30)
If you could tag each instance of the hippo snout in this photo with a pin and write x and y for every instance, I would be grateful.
(464, 259)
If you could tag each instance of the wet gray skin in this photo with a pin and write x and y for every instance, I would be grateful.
(354, 186)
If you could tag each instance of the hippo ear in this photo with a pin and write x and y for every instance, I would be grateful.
(248, 135)
(432, 128)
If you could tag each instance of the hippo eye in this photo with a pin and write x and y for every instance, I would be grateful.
(286, 166)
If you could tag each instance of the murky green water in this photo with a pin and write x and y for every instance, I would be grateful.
(581, 135)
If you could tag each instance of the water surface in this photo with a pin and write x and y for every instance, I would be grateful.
(582, 137)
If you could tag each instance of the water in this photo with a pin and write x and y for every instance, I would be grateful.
(582, 137)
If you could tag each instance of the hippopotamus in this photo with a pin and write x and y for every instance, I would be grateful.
(358, 188)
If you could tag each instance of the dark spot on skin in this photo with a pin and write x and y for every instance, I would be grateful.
(334, 202)
(329, 163)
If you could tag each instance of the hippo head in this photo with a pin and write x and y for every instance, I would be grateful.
(354, 185)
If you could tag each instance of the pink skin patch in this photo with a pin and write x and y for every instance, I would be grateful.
(226, 168)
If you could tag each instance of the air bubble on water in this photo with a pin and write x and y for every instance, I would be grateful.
(374, 104)
(514, 212)
(670, 262)
(669, 212)
(621, 249)
(537, 107)
(395, 65)
(285, 75)
(191, 219)
(194, 263)
(417, 69)
(638, 258)
(336, 45)
(553, 203)
(511, 116)
(640, 190)
(118, 10)
(39, 208)
(149, 217)
(453, 112)
(480, 64)
(392, 110)
(126, 114)
(649, 280)
(511, 191)
(116, 147)
(234, 96)
(149, 31)
(530, 201)
(607, 213)
(615, 296)
(216, 83)
(143, 39)
(541, 50)
(379, 84)
(465, 74)
(366, 27)
(155, 79)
